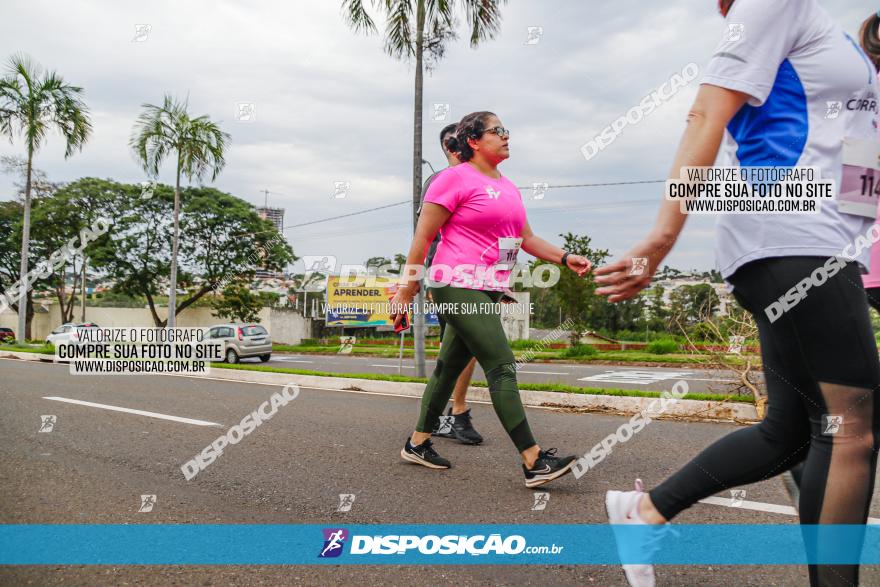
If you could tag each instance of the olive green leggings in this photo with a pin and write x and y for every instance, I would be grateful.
(473, 329)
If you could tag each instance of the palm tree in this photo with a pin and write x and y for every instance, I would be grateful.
(199, 145)
(35, 102)
(416, 29)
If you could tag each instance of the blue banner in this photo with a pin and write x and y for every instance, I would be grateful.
(196, 544)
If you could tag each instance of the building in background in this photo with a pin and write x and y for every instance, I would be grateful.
(276, 217)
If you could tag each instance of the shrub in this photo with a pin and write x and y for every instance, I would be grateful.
(662, 347)
(524, 344)
(580, 350)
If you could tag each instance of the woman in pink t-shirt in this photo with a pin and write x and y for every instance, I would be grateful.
(481, 217)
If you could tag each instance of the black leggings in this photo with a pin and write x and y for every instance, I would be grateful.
(820, 364)
(479, 334)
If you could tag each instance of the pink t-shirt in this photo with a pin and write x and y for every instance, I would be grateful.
(479, 241)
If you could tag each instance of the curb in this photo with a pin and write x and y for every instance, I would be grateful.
(685, 408)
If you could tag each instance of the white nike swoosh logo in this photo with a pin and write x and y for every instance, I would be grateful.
(546, 470)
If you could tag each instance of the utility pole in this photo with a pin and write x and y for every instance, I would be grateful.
(83, 301)
(419, 316)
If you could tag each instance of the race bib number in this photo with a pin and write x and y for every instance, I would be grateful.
(508, 248)
(860, 186)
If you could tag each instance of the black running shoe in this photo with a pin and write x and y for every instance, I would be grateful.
(424, 455)
(547, 468)
(458, 427)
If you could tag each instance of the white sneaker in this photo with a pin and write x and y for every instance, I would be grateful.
(623, 509)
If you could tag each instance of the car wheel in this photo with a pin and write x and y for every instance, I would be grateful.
(265, 357)
(231, 356)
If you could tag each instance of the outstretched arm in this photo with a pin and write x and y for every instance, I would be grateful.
(707, 119)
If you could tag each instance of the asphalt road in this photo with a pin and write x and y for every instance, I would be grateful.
(95, 464)
(602, 376)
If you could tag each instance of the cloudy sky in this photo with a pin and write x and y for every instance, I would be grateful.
(331, 106)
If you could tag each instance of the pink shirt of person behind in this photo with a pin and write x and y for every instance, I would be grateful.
(872, 279)
(484, 210)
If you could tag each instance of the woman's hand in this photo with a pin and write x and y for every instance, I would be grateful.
(579, 264)
(400, 303)
(626, 277)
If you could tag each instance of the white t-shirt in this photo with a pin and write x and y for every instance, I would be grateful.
(811, 86)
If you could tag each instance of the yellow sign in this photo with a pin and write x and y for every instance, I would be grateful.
(359, 305)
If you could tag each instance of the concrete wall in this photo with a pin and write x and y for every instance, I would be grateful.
(285, 326)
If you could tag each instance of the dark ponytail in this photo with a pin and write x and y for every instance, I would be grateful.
(471, 126)
(448, 141)
(870, 38)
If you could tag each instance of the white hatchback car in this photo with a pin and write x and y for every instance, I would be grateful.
(243, 341)
(67, 333)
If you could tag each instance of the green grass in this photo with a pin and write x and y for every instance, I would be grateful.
(545, 355)
(529, 386)
(47, 349)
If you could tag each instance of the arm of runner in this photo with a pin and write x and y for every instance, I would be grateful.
(432, 217)
(707, 119)
(538, 247)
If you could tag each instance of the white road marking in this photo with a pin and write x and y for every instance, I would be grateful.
(636, 377)
(132, 411)
(543, 372)
(394, 366)
(759, 506)
(289, 360)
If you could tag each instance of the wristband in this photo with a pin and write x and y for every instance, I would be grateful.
(564, 259)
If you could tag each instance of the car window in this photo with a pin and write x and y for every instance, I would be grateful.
(227, 333)
(214, 333)
(253, 330)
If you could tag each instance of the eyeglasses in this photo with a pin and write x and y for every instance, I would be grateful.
(500, 131)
